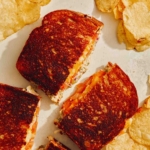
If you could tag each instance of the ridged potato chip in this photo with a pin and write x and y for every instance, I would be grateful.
(15, 14)
(140, 127)
(28, 11)
(121, 35)
(41, 2)
(137, 32)
(127, 3)
(147, 2)
(147, 100)
(117, 11)
(134, 31)
(124, 142)
(106, 5)
(124, 35)
(9, 20)
(44, 2)
(137, 22)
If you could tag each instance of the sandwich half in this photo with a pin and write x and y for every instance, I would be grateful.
(53, 144)
(18, 118)
(55, 53)
(96, 112)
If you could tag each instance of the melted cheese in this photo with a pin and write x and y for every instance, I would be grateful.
(33, 125)
(81, 91)
(77, 66)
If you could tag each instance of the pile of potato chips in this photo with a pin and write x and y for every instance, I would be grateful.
(137, 135)
(134, 21)
(15, 14)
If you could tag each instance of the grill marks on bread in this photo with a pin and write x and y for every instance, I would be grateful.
(16, 114)
(54, 48)
(54, 144)
(97, 111)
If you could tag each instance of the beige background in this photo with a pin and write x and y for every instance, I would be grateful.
(135, 64)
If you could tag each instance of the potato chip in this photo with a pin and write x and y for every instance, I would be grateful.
(121, 142)
(117, 14)
(137, 22)
(15, 14)
(134, 31)
(41, 2)
(147, 100)
(124, 142)
(142, 47)
(44, 2)
(121, 35)
(119, 8)
(106, 6)
(29, 12)
(130, 2)
(117, 11)
(122, 4)
(127, 3)
(120, 32)
(140, 127)
(9, 21)
(147, 2)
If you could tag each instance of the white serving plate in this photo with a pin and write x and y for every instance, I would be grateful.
(135, 64)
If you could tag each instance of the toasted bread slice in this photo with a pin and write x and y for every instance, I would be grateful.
(18, 118)
(97, 110)
(53, 145)
(55, 52)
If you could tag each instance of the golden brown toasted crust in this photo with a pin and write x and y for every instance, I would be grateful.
(16, 115)
(97, 111)
(55, 145)
(54, 48)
